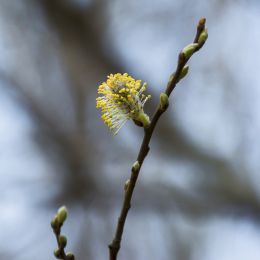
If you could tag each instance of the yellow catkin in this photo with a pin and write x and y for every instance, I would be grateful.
(121, 98)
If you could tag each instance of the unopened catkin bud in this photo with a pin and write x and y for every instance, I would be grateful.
(203, 36)
(189, 50)
(202, 22)
(57, 253)
(136, 166)
(62, 241)
(184, 72)
(170, 80)
(143, 118)
(164, 101)
(126, 185)
(62, 214)
(55, 223)
(70, 256)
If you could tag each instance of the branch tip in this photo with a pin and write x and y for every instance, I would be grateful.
(202, 22)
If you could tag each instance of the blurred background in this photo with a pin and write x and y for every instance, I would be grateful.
(198, 196)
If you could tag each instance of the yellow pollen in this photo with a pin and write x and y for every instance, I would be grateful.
(121, 98)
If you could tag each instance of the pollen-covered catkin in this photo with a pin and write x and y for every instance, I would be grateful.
(121, 98)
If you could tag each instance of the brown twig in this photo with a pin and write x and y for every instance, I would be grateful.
(62, 254)
(114, 247)
(56, 224)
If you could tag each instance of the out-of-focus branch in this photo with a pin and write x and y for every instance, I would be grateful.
(59, 143)
(56, 225)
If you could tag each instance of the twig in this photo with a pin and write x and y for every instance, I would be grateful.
(60, 252)
(184, 56)
(56, 224)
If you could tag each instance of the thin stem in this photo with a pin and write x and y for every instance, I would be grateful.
(62, 252)
(114, 247)
(56, 224)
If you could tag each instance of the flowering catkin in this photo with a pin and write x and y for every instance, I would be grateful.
(121, 98)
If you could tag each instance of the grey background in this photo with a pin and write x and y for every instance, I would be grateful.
(198, 192)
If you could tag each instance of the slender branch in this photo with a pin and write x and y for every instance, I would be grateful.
(61, 252)
(56, 224)
(114, 247)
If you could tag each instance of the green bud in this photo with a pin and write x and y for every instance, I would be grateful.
(62, 241)
(70, 256)
(136, 166)
(62, 214)
(170, 79)
(57, 253)
(203, 36)
(143, 118)
(202, 22)
(184, 72)
(55, 223)
(126, 185)
(164, 101)
(189, 50)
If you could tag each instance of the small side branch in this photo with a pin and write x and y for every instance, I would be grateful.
(56, 224)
